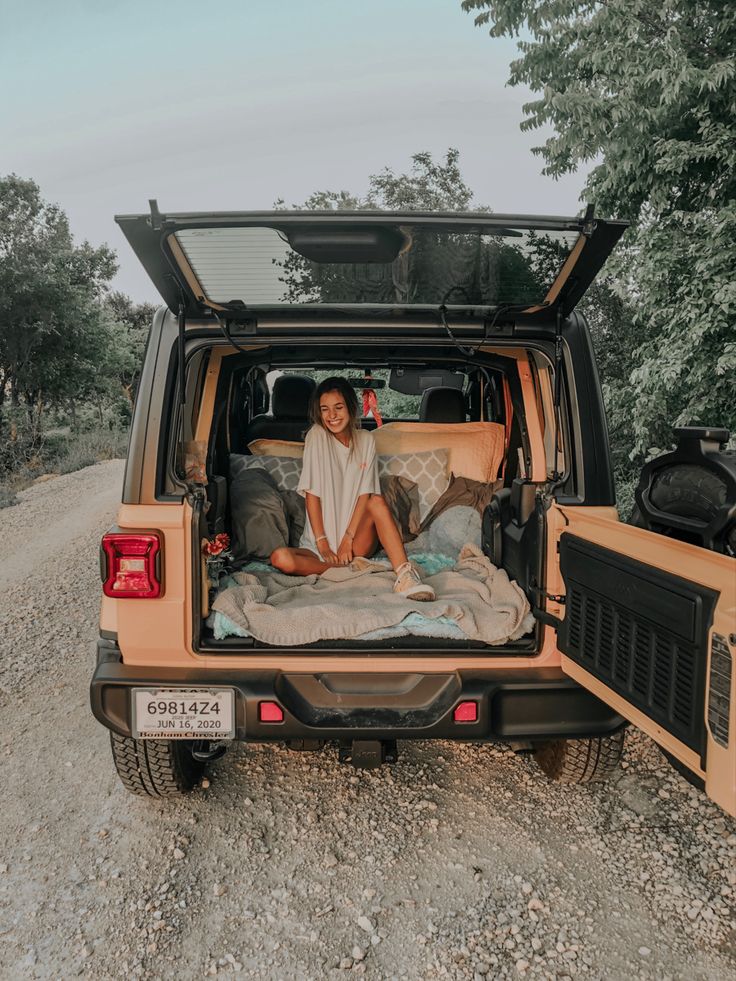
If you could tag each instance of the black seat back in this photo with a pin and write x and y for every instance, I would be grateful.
(289, 416)
(442, 404)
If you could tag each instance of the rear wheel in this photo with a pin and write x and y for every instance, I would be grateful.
(580, 760)
(155, 767)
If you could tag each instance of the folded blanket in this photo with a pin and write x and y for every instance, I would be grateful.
(345, 602)
(413, 624)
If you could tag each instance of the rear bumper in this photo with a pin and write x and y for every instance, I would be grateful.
(518, 705)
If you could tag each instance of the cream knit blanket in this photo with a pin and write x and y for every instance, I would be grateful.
(345, 602)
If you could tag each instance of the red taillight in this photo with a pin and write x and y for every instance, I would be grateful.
(466, 712)
(270, 712)
(133, 565)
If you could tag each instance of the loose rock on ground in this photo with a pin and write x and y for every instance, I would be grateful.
(460, 861)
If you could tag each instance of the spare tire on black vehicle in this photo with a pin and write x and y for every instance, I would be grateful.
(690, 494)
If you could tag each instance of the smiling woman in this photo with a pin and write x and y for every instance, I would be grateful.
(346, 516)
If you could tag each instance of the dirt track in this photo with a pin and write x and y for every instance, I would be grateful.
(458, 862)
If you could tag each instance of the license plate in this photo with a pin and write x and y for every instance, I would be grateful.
(183, 713)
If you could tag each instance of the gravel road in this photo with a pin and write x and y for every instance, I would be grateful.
(459, 861)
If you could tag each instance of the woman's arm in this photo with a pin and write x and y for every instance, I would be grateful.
(345, 549)
(316, 521)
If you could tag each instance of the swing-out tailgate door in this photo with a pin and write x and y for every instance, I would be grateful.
(650, 628)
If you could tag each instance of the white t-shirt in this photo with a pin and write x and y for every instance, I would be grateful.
(337, 475)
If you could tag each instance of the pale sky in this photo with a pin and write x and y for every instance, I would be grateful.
(229, 105)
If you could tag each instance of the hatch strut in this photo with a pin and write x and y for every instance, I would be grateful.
(182, 329)
(587, 230)
(194, 491)
(556, 475)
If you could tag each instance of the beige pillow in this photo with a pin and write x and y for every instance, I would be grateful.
(276, 447)
(475, 449)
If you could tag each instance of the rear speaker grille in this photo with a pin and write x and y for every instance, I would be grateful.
(643, 632)
(644, 663)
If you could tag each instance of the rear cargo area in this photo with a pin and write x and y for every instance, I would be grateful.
(439, 471)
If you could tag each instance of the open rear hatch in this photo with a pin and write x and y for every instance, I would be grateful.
(240, 264)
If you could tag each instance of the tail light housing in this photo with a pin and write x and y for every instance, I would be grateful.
(131, 565)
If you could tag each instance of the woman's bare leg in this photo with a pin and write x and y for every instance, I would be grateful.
(378, 523)
(298, 562)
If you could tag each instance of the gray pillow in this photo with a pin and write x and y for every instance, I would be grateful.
(258, 515)
(296, 513)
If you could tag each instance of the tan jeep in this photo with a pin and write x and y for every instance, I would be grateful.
(452, 311)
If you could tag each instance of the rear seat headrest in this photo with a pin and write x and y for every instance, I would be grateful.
(442, 404)
(291, 395)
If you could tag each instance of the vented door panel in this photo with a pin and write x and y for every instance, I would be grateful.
(642, 631)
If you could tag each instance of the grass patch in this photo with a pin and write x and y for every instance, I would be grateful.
(86, 449)
(63, 452)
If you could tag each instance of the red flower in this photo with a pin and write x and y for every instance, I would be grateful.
(217, 544)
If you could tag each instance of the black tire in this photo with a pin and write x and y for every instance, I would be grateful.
(688, 491)
(580, 760)
(155, 767)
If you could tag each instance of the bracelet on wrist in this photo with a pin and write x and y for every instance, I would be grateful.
(321, 538)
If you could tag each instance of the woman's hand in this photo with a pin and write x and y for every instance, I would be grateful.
(345, 550)
(326, 553)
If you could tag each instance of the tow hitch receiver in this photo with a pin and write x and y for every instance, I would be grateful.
(207, 751)
(367, 754)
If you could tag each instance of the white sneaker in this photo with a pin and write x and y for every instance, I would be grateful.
(409, 584)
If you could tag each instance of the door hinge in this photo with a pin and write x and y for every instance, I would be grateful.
(542, 595)
(196, 497)
(156, 219)
(542, 615)
(589, 223)
(547, 618)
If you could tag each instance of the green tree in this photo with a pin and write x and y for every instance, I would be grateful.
(428, 186)
(647, 95)
(437, 269)
(54, 334)
(132, 322)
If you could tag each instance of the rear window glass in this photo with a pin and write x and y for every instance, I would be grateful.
(256, 265)
(391, 404)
